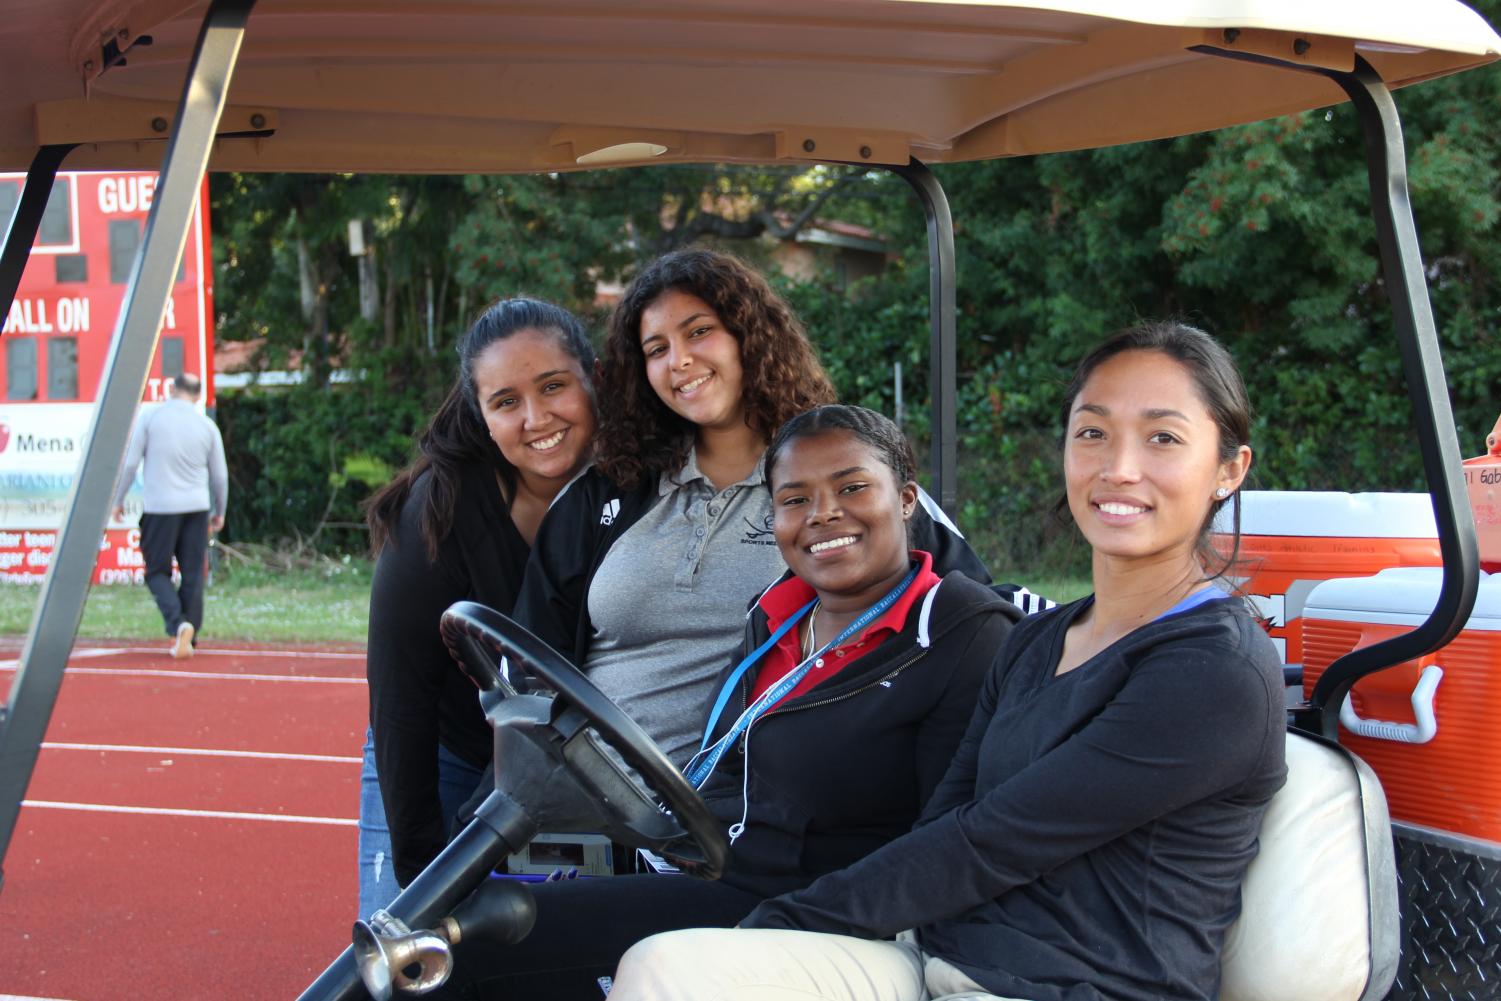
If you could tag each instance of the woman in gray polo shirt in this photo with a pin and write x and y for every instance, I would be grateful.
(646, 564)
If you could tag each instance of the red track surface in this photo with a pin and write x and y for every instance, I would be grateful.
(134, 902)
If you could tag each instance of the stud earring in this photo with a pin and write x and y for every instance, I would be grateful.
(1221, 494)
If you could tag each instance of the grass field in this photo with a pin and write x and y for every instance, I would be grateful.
(1060, 589)
(324, 603)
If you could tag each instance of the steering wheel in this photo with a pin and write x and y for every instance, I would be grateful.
(560, 744)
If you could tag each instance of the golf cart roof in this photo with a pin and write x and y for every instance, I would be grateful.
(522, 85)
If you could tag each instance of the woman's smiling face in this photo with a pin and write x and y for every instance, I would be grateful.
(536, 404)
(840, 516)
(693, 361)
(1142, 458)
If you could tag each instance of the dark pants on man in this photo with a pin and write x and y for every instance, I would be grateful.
(185, 536)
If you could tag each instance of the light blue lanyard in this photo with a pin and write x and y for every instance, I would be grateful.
(1193, 601)
(698, 773)
(745, 665)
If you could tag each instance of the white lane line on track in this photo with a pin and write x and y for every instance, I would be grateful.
(146, 672)
(26, 997)
(90, 653)
(206, 752)
(227, 652)
(160, 811)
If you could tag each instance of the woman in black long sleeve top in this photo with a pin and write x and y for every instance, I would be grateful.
(457, 524)
(1089, 841)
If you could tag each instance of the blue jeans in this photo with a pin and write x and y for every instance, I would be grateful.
(456, 781)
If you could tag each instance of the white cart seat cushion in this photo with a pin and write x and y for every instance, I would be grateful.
(1305, 926)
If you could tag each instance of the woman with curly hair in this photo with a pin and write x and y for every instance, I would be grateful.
(702, 357)
(646, 564)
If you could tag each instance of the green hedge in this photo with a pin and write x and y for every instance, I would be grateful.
(302, 459)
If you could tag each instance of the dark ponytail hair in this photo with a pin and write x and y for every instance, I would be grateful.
(457, 436)
(875, 429)
(1219, 385)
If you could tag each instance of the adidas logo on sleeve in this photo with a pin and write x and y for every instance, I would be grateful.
(611, 510)
(1028, 601)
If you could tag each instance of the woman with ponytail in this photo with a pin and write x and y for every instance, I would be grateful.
(458, 524)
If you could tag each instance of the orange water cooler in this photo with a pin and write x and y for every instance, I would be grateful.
(1291, 541)
(1428, 727)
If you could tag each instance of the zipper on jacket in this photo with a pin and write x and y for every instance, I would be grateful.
(745, 686)
(916, 656)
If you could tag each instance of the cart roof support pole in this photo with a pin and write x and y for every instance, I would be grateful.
(942, 380)
(1433, 418)
(28, 219)
(60, 605)
(1412, 315)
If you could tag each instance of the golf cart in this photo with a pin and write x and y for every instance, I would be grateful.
(323, 85)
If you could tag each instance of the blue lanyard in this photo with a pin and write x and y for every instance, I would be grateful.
(698, 773)
(1193, 601)
(745, 665)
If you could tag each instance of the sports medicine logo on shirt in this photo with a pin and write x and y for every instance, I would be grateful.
(761, 536)
(611, 510)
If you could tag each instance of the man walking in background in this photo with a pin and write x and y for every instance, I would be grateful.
(186, 493)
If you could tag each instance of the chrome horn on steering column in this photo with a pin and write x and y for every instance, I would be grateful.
(500, 911)
(385, 948)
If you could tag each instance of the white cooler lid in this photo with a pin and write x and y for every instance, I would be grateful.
(1332, 514)
(1401, 596)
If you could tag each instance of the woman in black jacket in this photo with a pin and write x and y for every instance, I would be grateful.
(854, 711)
(1089, 841)
(458, 524)
(824, 772)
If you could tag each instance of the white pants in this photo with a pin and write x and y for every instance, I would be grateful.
(768, 964)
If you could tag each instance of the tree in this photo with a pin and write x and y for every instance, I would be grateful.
(1260, 234)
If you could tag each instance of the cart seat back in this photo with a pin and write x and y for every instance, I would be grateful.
(1319, 904)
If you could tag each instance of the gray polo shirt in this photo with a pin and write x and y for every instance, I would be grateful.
(668, 602)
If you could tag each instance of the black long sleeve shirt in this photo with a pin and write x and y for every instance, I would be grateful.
(1090, 839)
(418, 696)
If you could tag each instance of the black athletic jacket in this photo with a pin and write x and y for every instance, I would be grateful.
(1089, 842)
(592, 512)
(418, 696)
(838, 772)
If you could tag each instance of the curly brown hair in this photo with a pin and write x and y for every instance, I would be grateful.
(640, 437)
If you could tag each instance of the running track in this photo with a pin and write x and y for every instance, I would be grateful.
(189, 832)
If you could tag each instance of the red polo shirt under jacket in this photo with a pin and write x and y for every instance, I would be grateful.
(787, 597)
